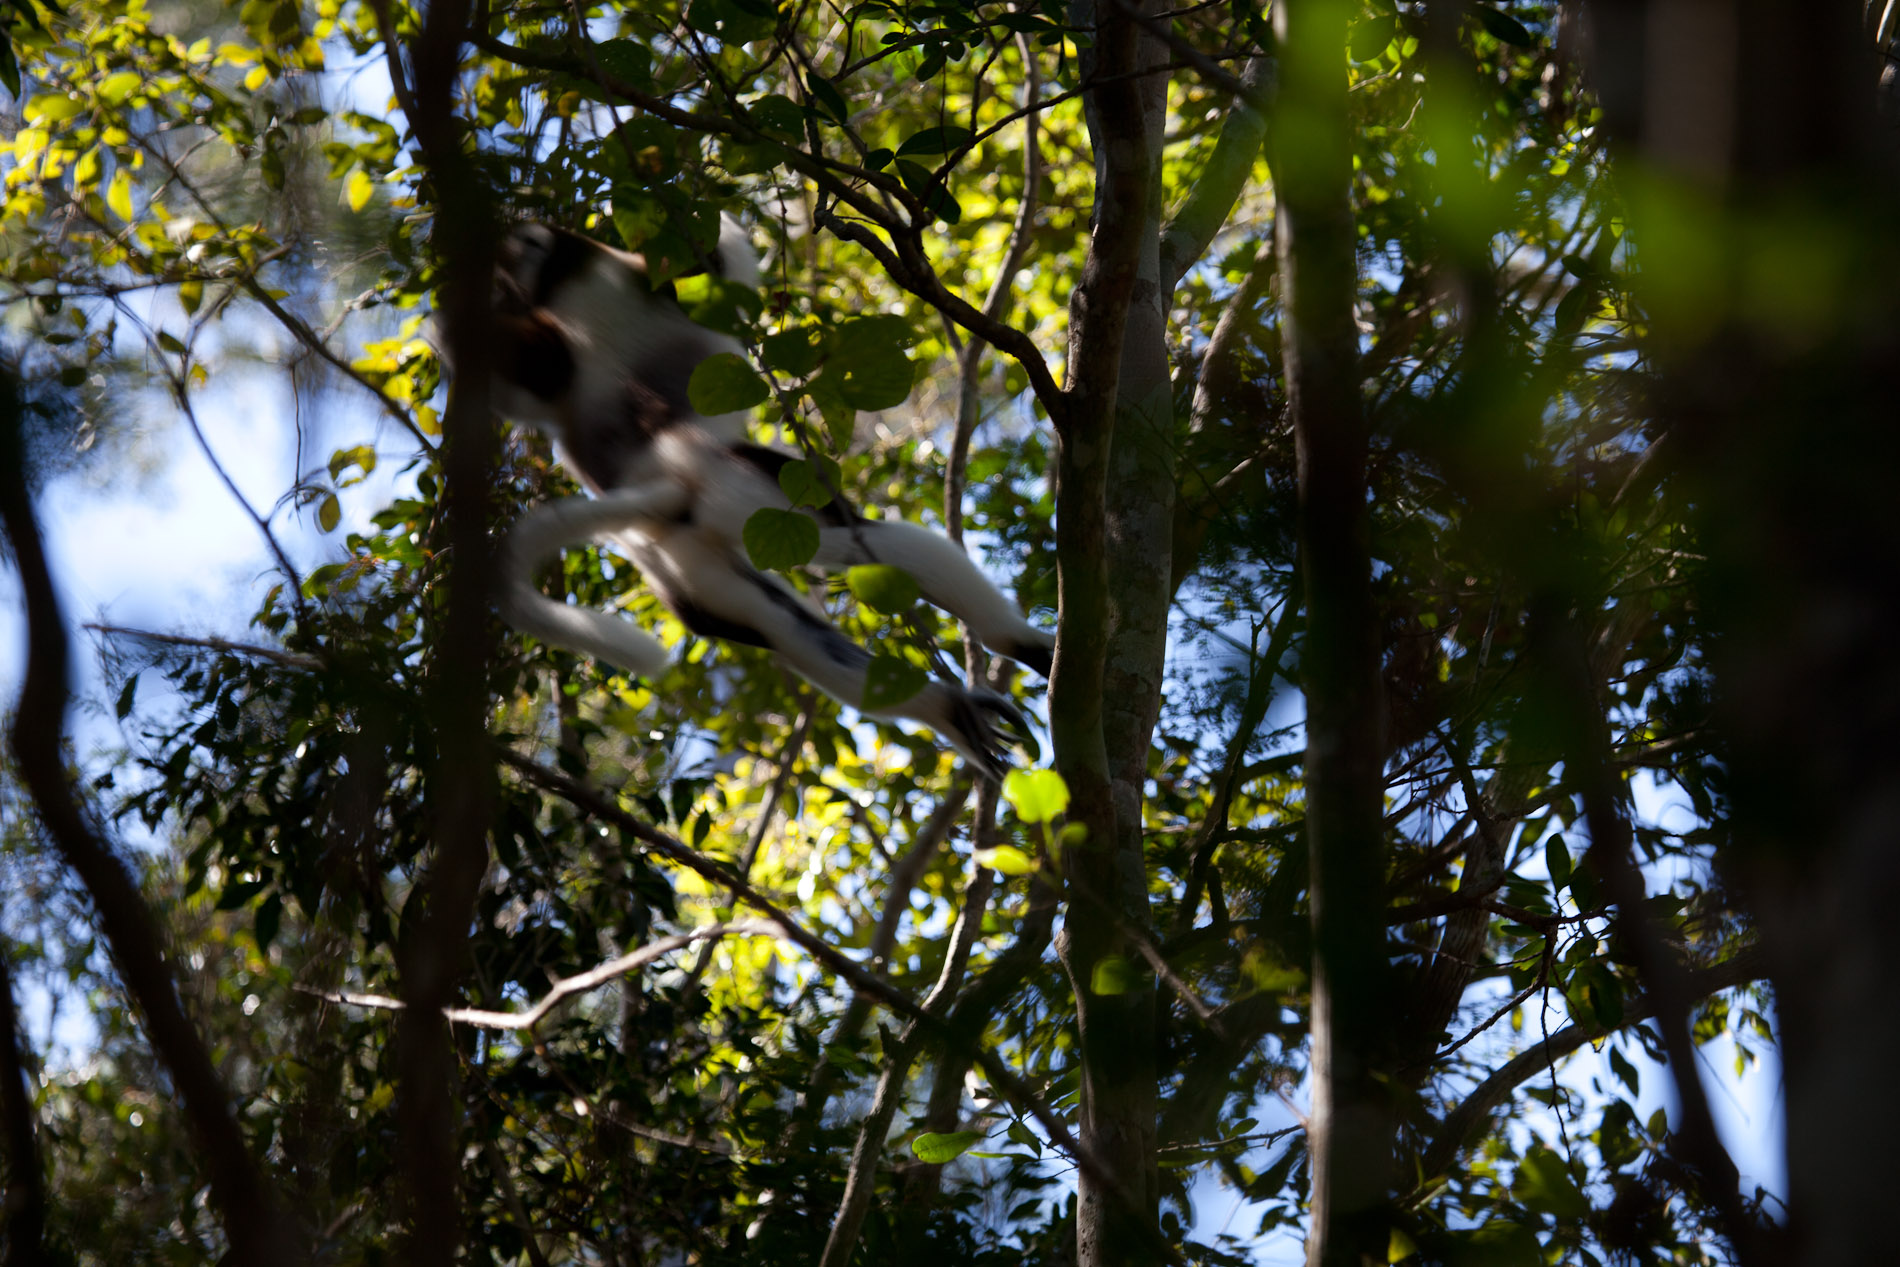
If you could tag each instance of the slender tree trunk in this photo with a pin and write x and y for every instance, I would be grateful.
(23, 1198)
(1350, 1130)
(433, 955)
(253, 1216)
(1763, 219)
(1113, 625)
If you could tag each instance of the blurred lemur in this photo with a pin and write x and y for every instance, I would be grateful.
(590, 352)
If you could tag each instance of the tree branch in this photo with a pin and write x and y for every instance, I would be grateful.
(1468, 1120)
(259, 1232)
(565, 987)
(1222, 179)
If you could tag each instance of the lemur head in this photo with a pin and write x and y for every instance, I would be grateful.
(575, 318)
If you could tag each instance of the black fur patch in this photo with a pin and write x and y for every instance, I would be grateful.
(707, 625)
(568, 254)
(535, 357)
(1038, 660)
(667, 371)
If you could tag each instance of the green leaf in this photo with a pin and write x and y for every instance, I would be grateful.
(874, 373)
(1112, 974)
(725, 384)
(1020, 1134)
(828, 98)
(359, 190)
(796, 351)
(626, 60)
(9, 68)
(1399, 1246)
(1544, 1183)
(780, 116)
(1625, 1072)
(938, 1149)
(126, 695)
(1557, 858)
(361, 455)
(889, 680)
(883, 588)
(190, 295)
(115, 88)
(939, 140)
(329, 513)
(1573, 308)
(1503, 27)
(1006, 858)
(921, 181)
(52, 107)
(119, 195)
(264, 925)
(1037, 796)
(804, 486)
(778, 539)
(1370, 38)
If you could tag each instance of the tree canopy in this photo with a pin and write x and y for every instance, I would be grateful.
(1397, 410)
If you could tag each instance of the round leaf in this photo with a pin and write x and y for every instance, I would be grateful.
(725, 384)
(778, 539)
(888, 681)
(1036, 795)
(1006, 858)
(882, 587)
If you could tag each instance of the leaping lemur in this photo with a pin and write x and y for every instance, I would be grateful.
(591, 353)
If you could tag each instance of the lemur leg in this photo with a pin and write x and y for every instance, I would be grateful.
(718, 594)
(552, 527)
(946, 577)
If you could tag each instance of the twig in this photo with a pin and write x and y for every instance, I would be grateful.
(272, 655)
(566, 987)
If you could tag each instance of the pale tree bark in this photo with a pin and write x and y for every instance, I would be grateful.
(1350, 1129)
(1749, 132)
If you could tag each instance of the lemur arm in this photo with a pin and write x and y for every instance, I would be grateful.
(947, 579)
(550, 528)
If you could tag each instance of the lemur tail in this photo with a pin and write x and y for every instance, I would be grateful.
(738, 259)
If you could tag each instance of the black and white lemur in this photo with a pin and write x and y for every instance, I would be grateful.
(591, 353)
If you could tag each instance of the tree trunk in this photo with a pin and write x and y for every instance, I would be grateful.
(1349, 1133)
(1103, 701)
(1763, 206)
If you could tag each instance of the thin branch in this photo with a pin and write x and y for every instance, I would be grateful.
(861, 1179)
(182, 395)
(271, 655)
(565, 987)
(1162, 28)
(1473, 1113)
(996, 306)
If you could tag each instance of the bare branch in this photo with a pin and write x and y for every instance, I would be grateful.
(566, 987)
(1222, 178)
